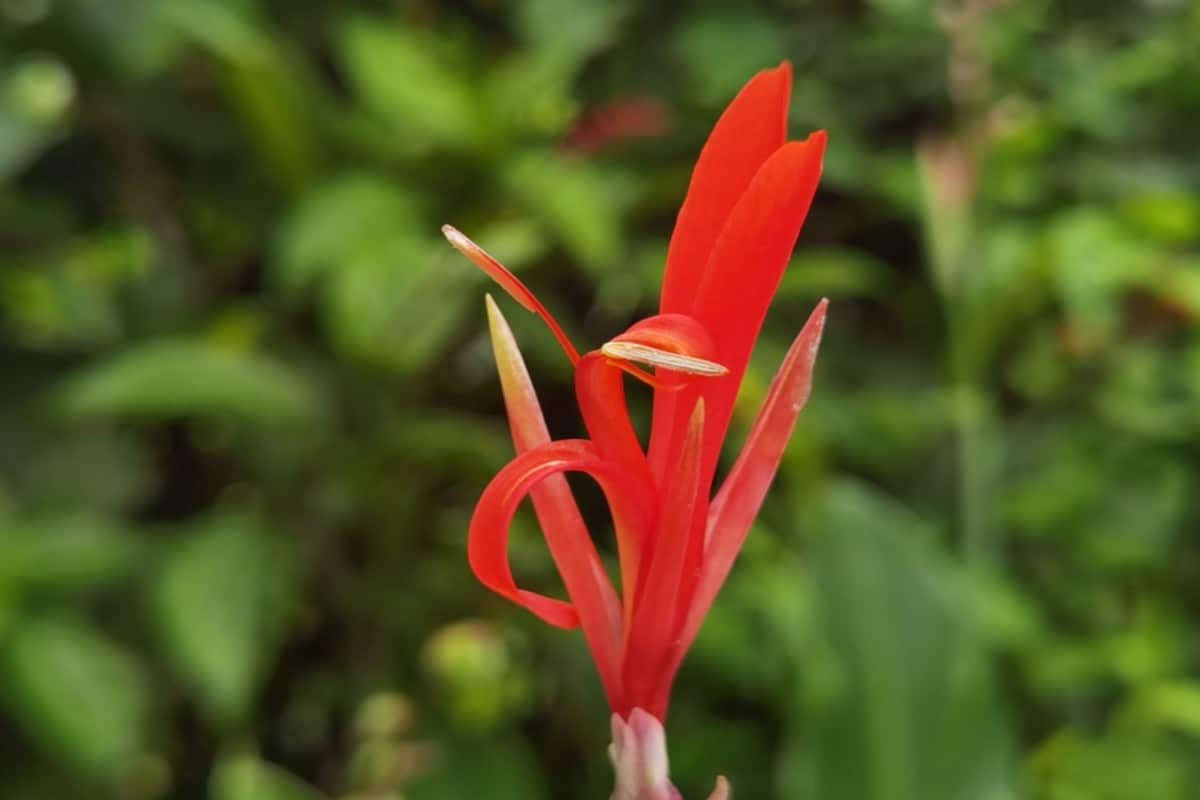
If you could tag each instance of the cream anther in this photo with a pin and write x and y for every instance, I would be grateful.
(652, 356)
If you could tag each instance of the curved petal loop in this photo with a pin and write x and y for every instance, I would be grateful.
(743, 271)
(632, 506)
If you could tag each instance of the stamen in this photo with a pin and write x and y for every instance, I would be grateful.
(642, 354)
(510, 283)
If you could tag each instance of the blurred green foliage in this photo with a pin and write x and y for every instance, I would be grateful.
(248, 400)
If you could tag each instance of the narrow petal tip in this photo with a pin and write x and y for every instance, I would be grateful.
(815, 326)
(491, 267)
(817, 317)
(780, 72)
(498, 324)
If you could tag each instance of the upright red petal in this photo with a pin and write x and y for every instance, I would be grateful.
(752, 128)
(738, 283)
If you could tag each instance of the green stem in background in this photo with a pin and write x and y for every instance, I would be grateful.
(949, 166)
(972, 435)
(948, 171)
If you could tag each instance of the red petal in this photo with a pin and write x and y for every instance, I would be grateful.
(675, 333)
(739, 282)
(572, 548)
(583, 574)
(510, 283)
(649, 638)
(736, 505)
(752, 128)
(600, 389)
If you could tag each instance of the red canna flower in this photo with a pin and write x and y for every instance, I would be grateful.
(748, 198)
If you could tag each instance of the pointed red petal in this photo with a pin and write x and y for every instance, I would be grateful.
(752, 128)
(743, 272)
(583, 573)
(734, 508)
(649, 638)
(510, 283)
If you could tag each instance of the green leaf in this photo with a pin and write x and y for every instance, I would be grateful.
(1095, 262)
(220, 27)
(578, 202)
(405, 78)
(35, 96)
(747, 42)
(72, 298)
(192, 378)
(78, 694)
(1166, 705)
(913, 713)
(1115, 767)
(1169, 217)
(126, 39)
(397, 308)
(498, 768)
(266, 87)
(221, 604)
(835, 273)
(715, 745)
(569, 33)
(96, 470)
(248, 778)
(391, 291)
(64, 551)
(338, 221)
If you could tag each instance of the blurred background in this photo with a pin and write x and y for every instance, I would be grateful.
(248, 400)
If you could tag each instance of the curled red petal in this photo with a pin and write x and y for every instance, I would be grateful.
(572, 549)
(735, 506)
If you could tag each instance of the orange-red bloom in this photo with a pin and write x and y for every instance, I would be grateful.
(748, 198)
